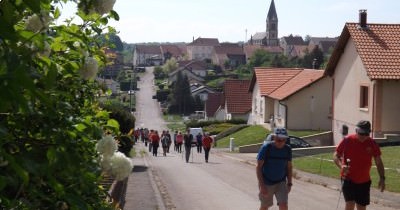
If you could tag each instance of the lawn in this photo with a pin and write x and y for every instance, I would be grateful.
(254, 135)
(175, 122)
(322, 164)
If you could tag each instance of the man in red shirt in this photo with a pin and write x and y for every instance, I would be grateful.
(353, 156)
(207, 141)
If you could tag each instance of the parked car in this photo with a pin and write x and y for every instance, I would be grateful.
(293, 141)
(194, 132)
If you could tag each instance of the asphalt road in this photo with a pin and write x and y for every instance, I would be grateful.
(223, 183)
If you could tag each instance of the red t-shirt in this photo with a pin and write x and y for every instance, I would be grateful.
(360, 155)
(155, 139)
(179, 138)
(207, 142)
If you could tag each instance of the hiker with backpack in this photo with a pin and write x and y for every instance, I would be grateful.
(164, 142)
(274, 171)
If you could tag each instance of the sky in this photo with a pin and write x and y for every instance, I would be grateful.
(236, 20)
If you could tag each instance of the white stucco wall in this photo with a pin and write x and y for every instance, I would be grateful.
(390, 106)
(349, 75)
(257, 112)
(310, 107)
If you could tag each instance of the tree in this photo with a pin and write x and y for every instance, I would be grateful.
(50, 121)
(170, 66)
(181, 99)
(308, 59)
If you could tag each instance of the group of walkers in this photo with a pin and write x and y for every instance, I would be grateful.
(153, 140)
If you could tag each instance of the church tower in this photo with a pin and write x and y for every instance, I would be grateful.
(272, 26)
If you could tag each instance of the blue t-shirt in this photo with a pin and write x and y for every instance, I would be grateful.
(274, 169)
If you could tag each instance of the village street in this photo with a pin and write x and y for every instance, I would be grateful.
(223, 183)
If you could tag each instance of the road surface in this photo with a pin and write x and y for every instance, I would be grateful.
(223, 183)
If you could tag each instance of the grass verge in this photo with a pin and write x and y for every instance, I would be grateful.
(322, 164)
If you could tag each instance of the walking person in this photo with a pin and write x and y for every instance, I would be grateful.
(188, 138)
(169, 141)
(175, 144)
(179, 142)
(199, 139)
(147, 138)
(206, 142)
(164, 142)
(155, 141)
(353, 155)
(274, 171)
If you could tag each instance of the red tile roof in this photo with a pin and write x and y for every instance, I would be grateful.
(280, 83)
(228, 48)
(205, 42)
(148, 49)
(237, 97)
(269, 79)
(214, 101)
(303, 79)
(173, 49)
(378, 47)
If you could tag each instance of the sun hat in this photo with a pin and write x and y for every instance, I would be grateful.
(363, 127)
(281, 133)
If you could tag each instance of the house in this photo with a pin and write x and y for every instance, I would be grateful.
(193, 78)
(198, 67)
(146, 55)
(111, 84)
(169, 51)
(202, 48)
(202, 92)
(214, 102)
(229, 55)
(298, 99)
(289, 42)
(237, 100)
(249, 50)
(365, 69)
(325, 44)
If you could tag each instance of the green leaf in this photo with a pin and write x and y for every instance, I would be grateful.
(113, 124)
(80, 127)
(51, 155)
(57, 13)
(114, 15)
(51, 77)
(102, 114)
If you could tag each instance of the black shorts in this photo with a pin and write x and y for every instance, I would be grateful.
(359, 193)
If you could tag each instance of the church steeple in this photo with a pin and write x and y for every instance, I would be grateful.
(272, 26)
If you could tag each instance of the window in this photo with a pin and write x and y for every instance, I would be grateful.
(364, 97)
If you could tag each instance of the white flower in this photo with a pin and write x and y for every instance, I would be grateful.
(36, 23)
(104, 6)
(89, 68)
(105, 162)
(106, 146)
(121, 166)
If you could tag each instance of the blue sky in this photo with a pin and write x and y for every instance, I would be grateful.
(228, 20)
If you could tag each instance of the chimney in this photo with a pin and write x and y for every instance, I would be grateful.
(363, 18)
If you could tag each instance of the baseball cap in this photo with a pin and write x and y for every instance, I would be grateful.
(281, 133)
(363, 127)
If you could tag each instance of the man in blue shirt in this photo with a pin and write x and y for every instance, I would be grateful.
(274, 170)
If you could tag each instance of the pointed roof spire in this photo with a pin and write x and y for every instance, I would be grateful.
(272, 12)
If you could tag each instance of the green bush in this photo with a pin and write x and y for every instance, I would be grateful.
(125, 145)
(118, 112)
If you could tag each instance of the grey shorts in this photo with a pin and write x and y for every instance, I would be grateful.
(280, 191)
